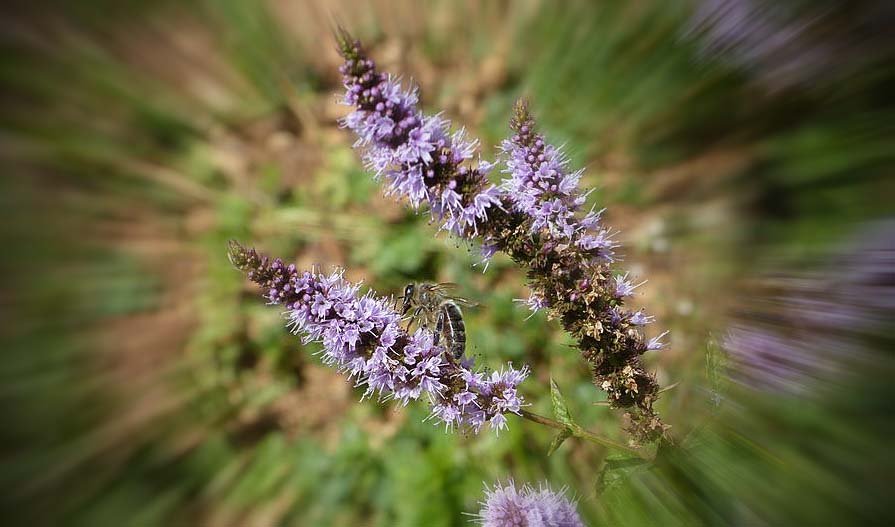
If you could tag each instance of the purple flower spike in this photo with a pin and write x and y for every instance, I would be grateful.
(419, 157)
(505, 506)
(362, 337)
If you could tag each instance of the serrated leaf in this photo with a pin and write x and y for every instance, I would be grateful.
(560, 411)
(558, 440)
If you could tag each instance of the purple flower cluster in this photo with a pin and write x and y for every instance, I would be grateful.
(362, 336)
(541, 187)
(534, 216)
(505, 506)
(418, 156)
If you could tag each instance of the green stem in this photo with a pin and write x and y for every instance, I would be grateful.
(579, 432)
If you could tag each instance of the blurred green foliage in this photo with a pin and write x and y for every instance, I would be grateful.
(146, 384)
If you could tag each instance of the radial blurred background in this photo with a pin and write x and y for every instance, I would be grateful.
(744, 150)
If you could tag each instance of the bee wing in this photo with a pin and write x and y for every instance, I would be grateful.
(462, 301)
(441, 287)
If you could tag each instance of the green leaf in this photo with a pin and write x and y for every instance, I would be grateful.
(618, 469)
(558, 440)
(560, 411)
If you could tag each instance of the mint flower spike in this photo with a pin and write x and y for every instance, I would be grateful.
(416, 154)
(570, 258)
(534, 216)
(506, 506)
(541, 187)
(362, 338)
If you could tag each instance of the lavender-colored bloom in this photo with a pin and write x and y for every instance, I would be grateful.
(493, 397)
(535, 302)
(623, 287)
(639, 318)
(419, 157)
(593, 240)
(540, 185)
(506, 506)
(363, 338)
(656, 343)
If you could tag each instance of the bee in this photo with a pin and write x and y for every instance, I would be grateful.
(434, 307)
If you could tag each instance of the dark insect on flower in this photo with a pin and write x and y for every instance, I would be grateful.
(434, 308)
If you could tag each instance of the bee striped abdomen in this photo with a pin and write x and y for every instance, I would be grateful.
(454, 328)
